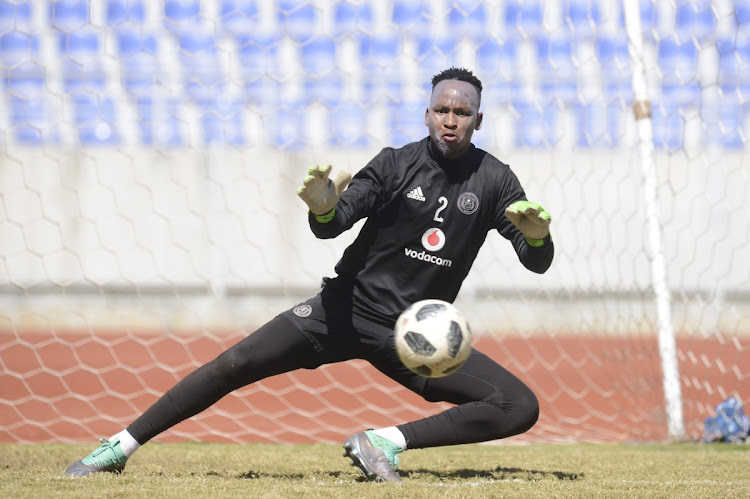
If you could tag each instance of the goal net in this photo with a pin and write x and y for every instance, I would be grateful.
(149, 157)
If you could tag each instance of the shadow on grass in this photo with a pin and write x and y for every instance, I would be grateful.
(498, 473)
(255, 475)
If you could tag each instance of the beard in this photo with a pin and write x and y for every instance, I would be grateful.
(449, 150)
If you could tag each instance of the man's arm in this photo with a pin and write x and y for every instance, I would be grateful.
(320, 192)
(534, 243)
(333, 210)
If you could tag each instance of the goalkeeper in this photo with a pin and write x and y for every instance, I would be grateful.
(442, 182)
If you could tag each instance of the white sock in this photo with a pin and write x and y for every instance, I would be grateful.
(128, 444)
(393, 434)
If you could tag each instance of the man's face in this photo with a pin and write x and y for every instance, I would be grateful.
(453, 116)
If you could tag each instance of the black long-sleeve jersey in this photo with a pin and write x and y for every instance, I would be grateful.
(427, 217)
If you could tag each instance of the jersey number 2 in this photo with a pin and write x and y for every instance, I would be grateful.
(443, 205)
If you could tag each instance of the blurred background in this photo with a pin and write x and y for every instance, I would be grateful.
(149, 157)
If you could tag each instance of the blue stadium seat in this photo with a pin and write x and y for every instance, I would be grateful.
(95, 119)
(582, 16)
(411, 16)
(600, 124)
(292, 96)
(677, 62)
(139, 59)
(202, 70)
(695, 21)
(468, 19)
(300, 23)
(15, 17)
(221, 120)
(328, 89)
(181, 11)
(28, 108)
(742, 47)
(141, 72)
(17, 48)
(289, 5)
(525, 17)
(669, 127)
(380, 55)
(25, 81)
(614, 60)
(348, 125)
(407, 122)
(239, 16)
(382, 92)
(444, 43)
(350, 18)
(157, 118)
(533, 125)
(498, 61)
(81, 51)
(119, 11)
(730, 70)
(742, 11)
(286, 130)
(733, 118)
(318, 56)
(254, 58)
(134, 40)
(67, 15)
(680, 96)
(263, 93)
(436, 53)
(27, 119)
(612, 51)
(555, 62)
(648, 16)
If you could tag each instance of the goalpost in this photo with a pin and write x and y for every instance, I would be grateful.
(642, 113)
(149, 158)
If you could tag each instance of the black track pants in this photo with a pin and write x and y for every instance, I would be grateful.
(491, 403)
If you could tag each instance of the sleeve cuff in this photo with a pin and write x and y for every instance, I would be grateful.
(327, 217)
(537, 243)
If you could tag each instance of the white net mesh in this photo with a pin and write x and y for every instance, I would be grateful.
(149, 154)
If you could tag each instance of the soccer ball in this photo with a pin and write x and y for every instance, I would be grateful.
(433, 338)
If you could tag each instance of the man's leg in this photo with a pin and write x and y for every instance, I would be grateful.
(491, 403)
(275, 348)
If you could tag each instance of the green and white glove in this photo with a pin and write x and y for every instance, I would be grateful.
(320, 192)
(531, 219)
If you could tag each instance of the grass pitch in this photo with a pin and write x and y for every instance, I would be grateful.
(319, 471)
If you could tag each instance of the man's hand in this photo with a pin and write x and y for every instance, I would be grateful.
(530, 218)
(321, 193)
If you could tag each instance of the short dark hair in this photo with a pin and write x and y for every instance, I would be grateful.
(460, 74)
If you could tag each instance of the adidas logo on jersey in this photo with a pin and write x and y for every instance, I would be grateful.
(416, 194)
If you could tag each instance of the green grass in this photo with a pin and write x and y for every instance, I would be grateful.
(276, 471)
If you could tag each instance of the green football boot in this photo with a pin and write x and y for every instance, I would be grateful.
(108, 457)
(374, 456)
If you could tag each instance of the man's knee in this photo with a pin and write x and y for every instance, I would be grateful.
(516, 414)
(528, 411)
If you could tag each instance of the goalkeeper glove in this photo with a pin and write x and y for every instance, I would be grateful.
(321, 193)
(531, 219)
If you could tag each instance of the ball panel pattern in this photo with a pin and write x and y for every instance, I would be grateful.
(419, 344)
(430, 310)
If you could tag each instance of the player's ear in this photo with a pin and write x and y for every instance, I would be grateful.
(479, 121)
(426, 116)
